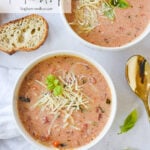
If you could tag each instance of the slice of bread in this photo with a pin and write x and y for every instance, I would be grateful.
(24, 34)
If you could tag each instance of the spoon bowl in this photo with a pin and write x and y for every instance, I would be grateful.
(138, 76)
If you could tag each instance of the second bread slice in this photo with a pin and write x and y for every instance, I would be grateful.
(25, 34)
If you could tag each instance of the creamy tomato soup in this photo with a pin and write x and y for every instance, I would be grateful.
(64, 101)
(122, 27)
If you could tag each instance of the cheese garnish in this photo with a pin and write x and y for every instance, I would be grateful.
(87, 13)
(71, 100)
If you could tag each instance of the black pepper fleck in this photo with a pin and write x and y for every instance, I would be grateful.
(62, 145)
(108, 101)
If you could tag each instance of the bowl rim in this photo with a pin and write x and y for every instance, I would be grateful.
(135, 41)
(33, 63)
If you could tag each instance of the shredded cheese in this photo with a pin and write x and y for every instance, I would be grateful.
(71, 100)
(87, 13)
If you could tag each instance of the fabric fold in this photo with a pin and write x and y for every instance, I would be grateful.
(8, 78)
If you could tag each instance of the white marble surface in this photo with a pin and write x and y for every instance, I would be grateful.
(114, 62)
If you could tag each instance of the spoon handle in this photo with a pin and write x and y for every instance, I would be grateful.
(146, 104)
(149, 103)
(147, 108)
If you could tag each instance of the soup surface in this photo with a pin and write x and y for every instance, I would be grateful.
(64, 101)
(112, 26)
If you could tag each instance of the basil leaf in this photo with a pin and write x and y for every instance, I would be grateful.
(58, 90)
(50, 86)
(54, 85)
(129, 122)
(56, 82)
(114, 2)
(123, 4)
(119, 3)
(50, 78)
(108, 11)
(109, 14)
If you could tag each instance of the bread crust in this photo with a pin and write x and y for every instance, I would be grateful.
(24, 48)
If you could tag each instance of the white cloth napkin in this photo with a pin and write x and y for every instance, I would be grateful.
(7, 81)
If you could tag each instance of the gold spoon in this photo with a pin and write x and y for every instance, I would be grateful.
(138, 77)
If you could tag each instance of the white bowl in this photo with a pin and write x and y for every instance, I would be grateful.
(94, 46)
(58, 53)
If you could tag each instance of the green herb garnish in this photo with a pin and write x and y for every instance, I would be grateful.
(119, 3)
(108, 11)
(53, 84)
(129, 122)
(108, 8)
(58, 90)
